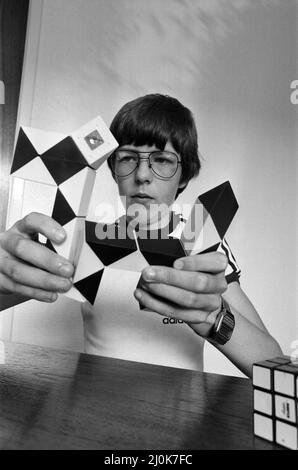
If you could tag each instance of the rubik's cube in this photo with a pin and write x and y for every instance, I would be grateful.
(54, 175)
(275, 385)
(115, 246)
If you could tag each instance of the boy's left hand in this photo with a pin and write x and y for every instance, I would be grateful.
(190, 291)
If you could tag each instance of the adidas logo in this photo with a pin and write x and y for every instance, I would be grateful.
(171, 321)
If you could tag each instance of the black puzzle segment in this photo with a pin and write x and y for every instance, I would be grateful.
(161, 252)
(161, 233)
(65, 150)
(62, 212)
(88, 286)
(107, 243)
(211, 249)
(24, 152)
(222, 206)
(49, 245)
(60, 169)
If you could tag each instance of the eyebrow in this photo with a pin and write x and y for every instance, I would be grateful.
(126, 147)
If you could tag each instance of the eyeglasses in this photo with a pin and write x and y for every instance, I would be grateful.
(163, 164)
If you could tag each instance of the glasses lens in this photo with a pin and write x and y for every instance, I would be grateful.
(125, 162)
(164, 164)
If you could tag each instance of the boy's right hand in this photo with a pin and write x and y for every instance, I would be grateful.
(30, 268)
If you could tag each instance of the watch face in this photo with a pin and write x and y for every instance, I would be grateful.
(224, 327)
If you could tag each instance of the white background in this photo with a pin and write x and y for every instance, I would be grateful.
(231, 62)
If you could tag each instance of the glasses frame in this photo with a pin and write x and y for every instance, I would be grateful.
(150, 163)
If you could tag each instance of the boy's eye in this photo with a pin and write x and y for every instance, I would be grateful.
(160, 160)
(163, 159)
(126, 157)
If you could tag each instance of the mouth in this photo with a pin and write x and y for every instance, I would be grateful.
(142, 198)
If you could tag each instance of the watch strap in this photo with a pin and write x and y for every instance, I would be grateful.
(224, 325)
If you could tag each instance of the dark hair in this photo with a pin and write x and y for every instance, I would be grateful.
(155, 119)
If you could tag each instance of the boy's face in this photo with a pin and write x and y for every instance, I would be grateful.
(144, 192)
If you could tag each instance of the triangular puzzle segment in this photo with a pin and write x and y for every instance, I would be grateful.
(61, 170)
(161, 252)
(88, 263)
(211, 215)
(71, 247)
(78, 190)
(38, 197)
(42, 140)
(74, 294)
(210, 249)
(49, 245)
(88, 287)
(196, 237)
(105, 243)
(134, 262)
(65, 150)
(62, 212)
(24, 151)
(222, 205)
(36, 171)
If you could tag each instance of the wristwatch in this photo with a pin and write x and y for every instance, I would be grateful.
(224, 325)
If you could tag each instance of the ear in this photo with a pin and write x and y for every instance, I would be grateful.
(182, 185)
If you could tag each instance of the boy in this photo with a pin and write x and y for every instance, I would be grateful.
(156, 158)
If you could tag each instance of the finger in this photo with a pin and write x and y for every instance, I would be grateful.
(191, 281)
(30, 292)
(183, 298)
(43, 224)
(168, 309)
(30, 276)
(208, 262)
(38, 255)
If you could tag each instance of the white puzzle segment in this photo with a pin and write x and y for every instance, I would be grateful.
(38, 197)
(88, 263)
(77, 190)
(35, 171)
(71, 247)
(42, 140)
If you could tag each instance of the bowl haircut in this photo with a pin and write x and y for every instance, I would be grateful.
(156, 119)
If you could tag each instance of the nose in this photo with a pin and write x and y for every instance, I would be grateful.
(143, 173)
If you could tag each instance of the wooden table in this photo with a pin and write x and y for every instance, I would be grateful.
(53, 399)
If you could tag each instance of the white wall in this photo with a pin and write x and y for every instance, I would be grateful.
(232, 63)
